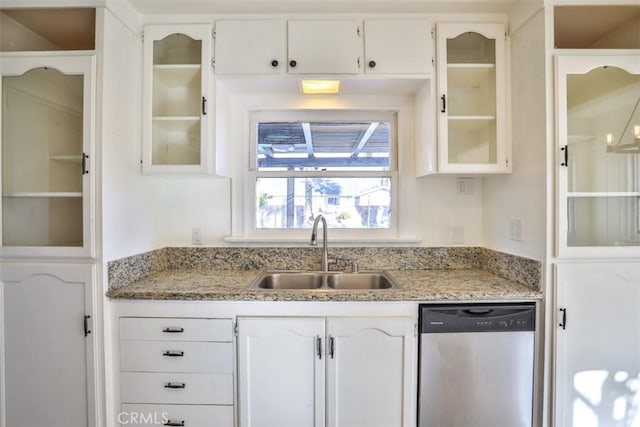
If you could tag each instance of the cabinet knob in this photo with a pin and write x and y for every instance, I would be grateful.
(275, 63)
(372, 64)
(292, 63)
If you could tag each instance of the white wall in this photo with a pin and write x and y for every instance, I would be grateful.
(522, 195)
(16, 37)
(133, 205)
(446, 218)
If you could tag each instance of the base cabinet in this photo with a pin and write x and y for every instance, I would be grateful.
(597, 344)
(296, 371)
(176, 372)
(46, 352)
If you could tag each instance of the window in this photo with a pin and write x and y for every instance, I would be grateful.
(341, 164)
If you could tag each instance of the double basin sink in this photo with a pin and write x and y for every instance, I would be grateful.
(310, 280)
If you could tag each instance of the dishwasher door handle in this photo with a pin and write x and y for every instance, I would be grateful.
(478, 311)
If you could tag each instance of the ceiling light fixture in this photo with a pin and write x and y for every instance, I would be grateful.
(314, 87)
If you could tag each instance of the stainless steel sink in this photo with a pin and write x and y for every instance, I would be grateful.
(359, 281)
(332, 281)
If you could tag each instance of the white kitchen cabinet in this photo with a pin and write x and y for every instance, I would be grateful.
(369, 375)
(598, 154)
(176, 370)
(281, 371)
(363, 364)
(398, 46)
(323, 46)
(48, 120)
(472, 98)
(177, 99)
(249, 46)
(47, 349)
(597, 349)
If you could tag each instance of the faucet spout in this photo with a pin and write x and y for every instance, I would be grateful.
(324, 265)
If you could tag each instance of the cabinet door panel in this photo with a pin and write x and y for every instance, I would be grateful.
(323, 47)
(176, 356)
(166, 387)
(47, 173)
(397, 46)
(249, 47)
(177, 100)
(369, 375)
(175, 329)
(597, 155)
(45, 351)
(472, 93)
(280, 376)
(598, 348)
(190, 415)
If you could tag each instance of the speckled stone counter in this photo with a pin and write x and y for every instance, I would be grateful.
(413, 285)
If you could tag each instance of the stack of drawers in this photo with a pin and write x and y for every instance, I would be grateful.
(176, 372)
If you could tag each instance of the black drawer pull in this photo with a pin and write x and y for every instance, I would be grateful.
(173, 353)
(173, 330)
(175, 385)
(174, 423)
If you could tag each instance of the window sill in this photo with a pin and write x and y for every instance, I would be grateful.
(284, 241)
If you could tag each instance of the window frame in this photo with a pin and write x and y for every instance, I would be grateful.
(345, 115)
(235, 127)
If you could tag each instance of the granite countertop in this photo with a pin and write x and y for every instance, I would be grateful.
(414, 285)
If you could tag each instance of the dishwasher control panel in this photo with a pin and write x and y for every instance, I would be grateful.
(441, 318)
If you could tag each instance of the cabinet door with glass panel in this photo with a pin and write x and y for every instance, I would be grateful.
(598, 154)
(47, 140)
(177, 101)
(472, 93)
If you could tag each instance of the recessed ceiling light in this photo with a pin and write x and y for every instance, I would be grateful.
(310, 87)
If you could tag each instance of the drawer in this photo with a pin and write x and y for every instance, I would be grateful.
(175, 329)
(176, 356)
(195, 389)
(187, 415)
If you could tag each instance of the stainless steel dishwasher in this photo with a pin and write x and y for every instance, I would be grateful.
(476, 365)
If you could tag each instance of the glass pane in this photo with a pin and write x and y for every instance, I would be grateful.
(345, 202)
(41, 159)
(471, 48)
(602, 120)
(177, 101)
(177, 49)
(472, 141)
(346, 146)
(604, 221)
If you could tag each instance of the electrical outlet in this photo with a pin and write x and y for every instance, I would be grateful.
(464, 185)
(515, 229)
(196, 235)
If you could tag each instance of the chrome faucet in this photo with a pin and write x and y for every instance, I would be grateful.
(314, 240)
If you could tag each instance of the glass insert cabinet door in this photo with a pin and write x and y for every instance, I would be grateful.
(176, 100)
(472, 98)
(46, 154)
(598, 101)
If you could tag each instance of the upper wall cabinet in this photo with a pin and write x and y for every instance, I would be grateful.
(598, 134)
(398, 46)
(177, 89)
(323, 47)
(249, 47)
(47, 154)
(472, 96)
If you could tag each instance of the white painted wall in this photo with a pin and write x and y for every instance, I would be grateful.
(133, 205)
(16, 37)
(522, 195)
